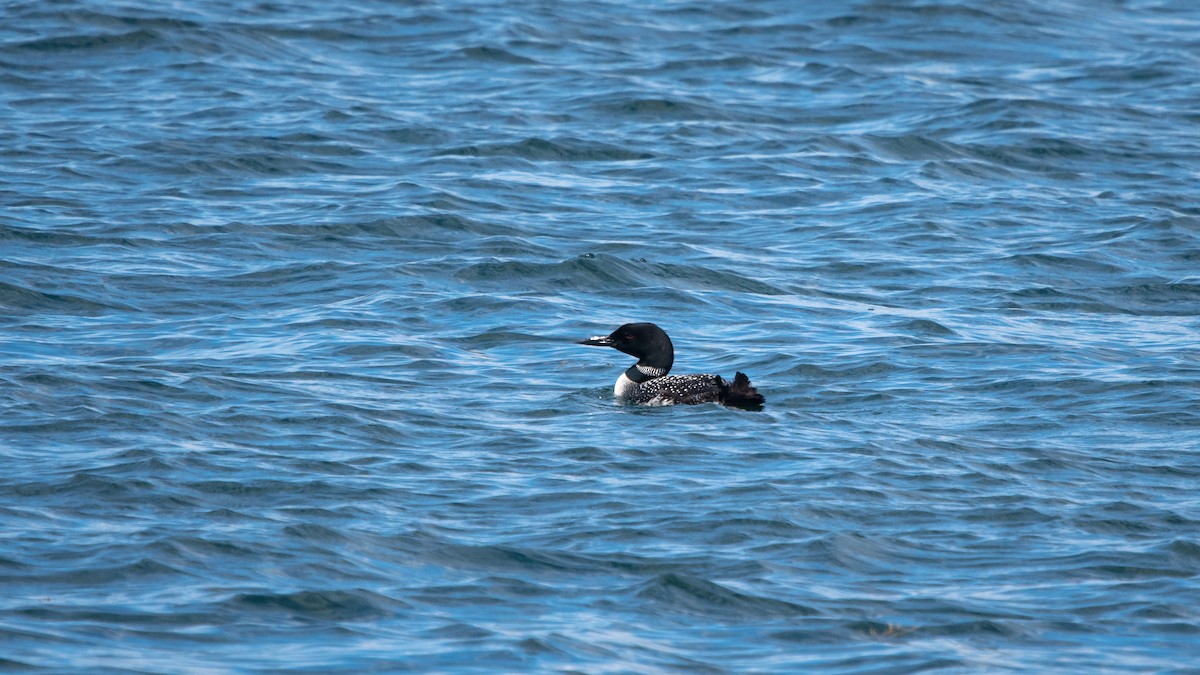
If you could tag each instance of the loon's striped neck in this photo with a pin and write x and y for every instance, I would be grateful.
(639, 373)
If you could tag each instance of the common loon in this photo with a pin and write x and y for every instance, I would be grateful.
(646, 382)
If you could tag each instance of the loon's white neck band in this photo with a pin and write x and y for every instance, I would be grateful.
(640, 373)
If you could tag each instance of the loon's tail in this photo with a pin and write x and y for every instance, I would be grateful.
(740, 393)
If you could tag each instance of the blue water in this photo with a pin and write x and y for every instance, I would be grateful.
(289, 293)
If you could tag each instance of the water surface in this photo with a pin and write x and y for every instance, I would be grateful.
(289, 291)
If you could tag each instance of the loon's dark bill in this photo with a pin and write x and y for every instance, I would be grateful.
(598, 341)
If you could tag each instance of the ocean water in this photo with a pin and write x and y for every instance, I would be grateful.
(289, 292)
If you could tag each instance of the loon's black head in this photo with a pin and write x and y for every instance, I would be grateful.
(647, 342)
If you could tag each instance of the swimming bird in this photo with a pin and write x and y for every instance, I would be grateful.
(647, 383)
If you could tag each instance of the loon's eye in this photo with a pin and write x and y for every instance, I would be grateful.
(628, 336)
